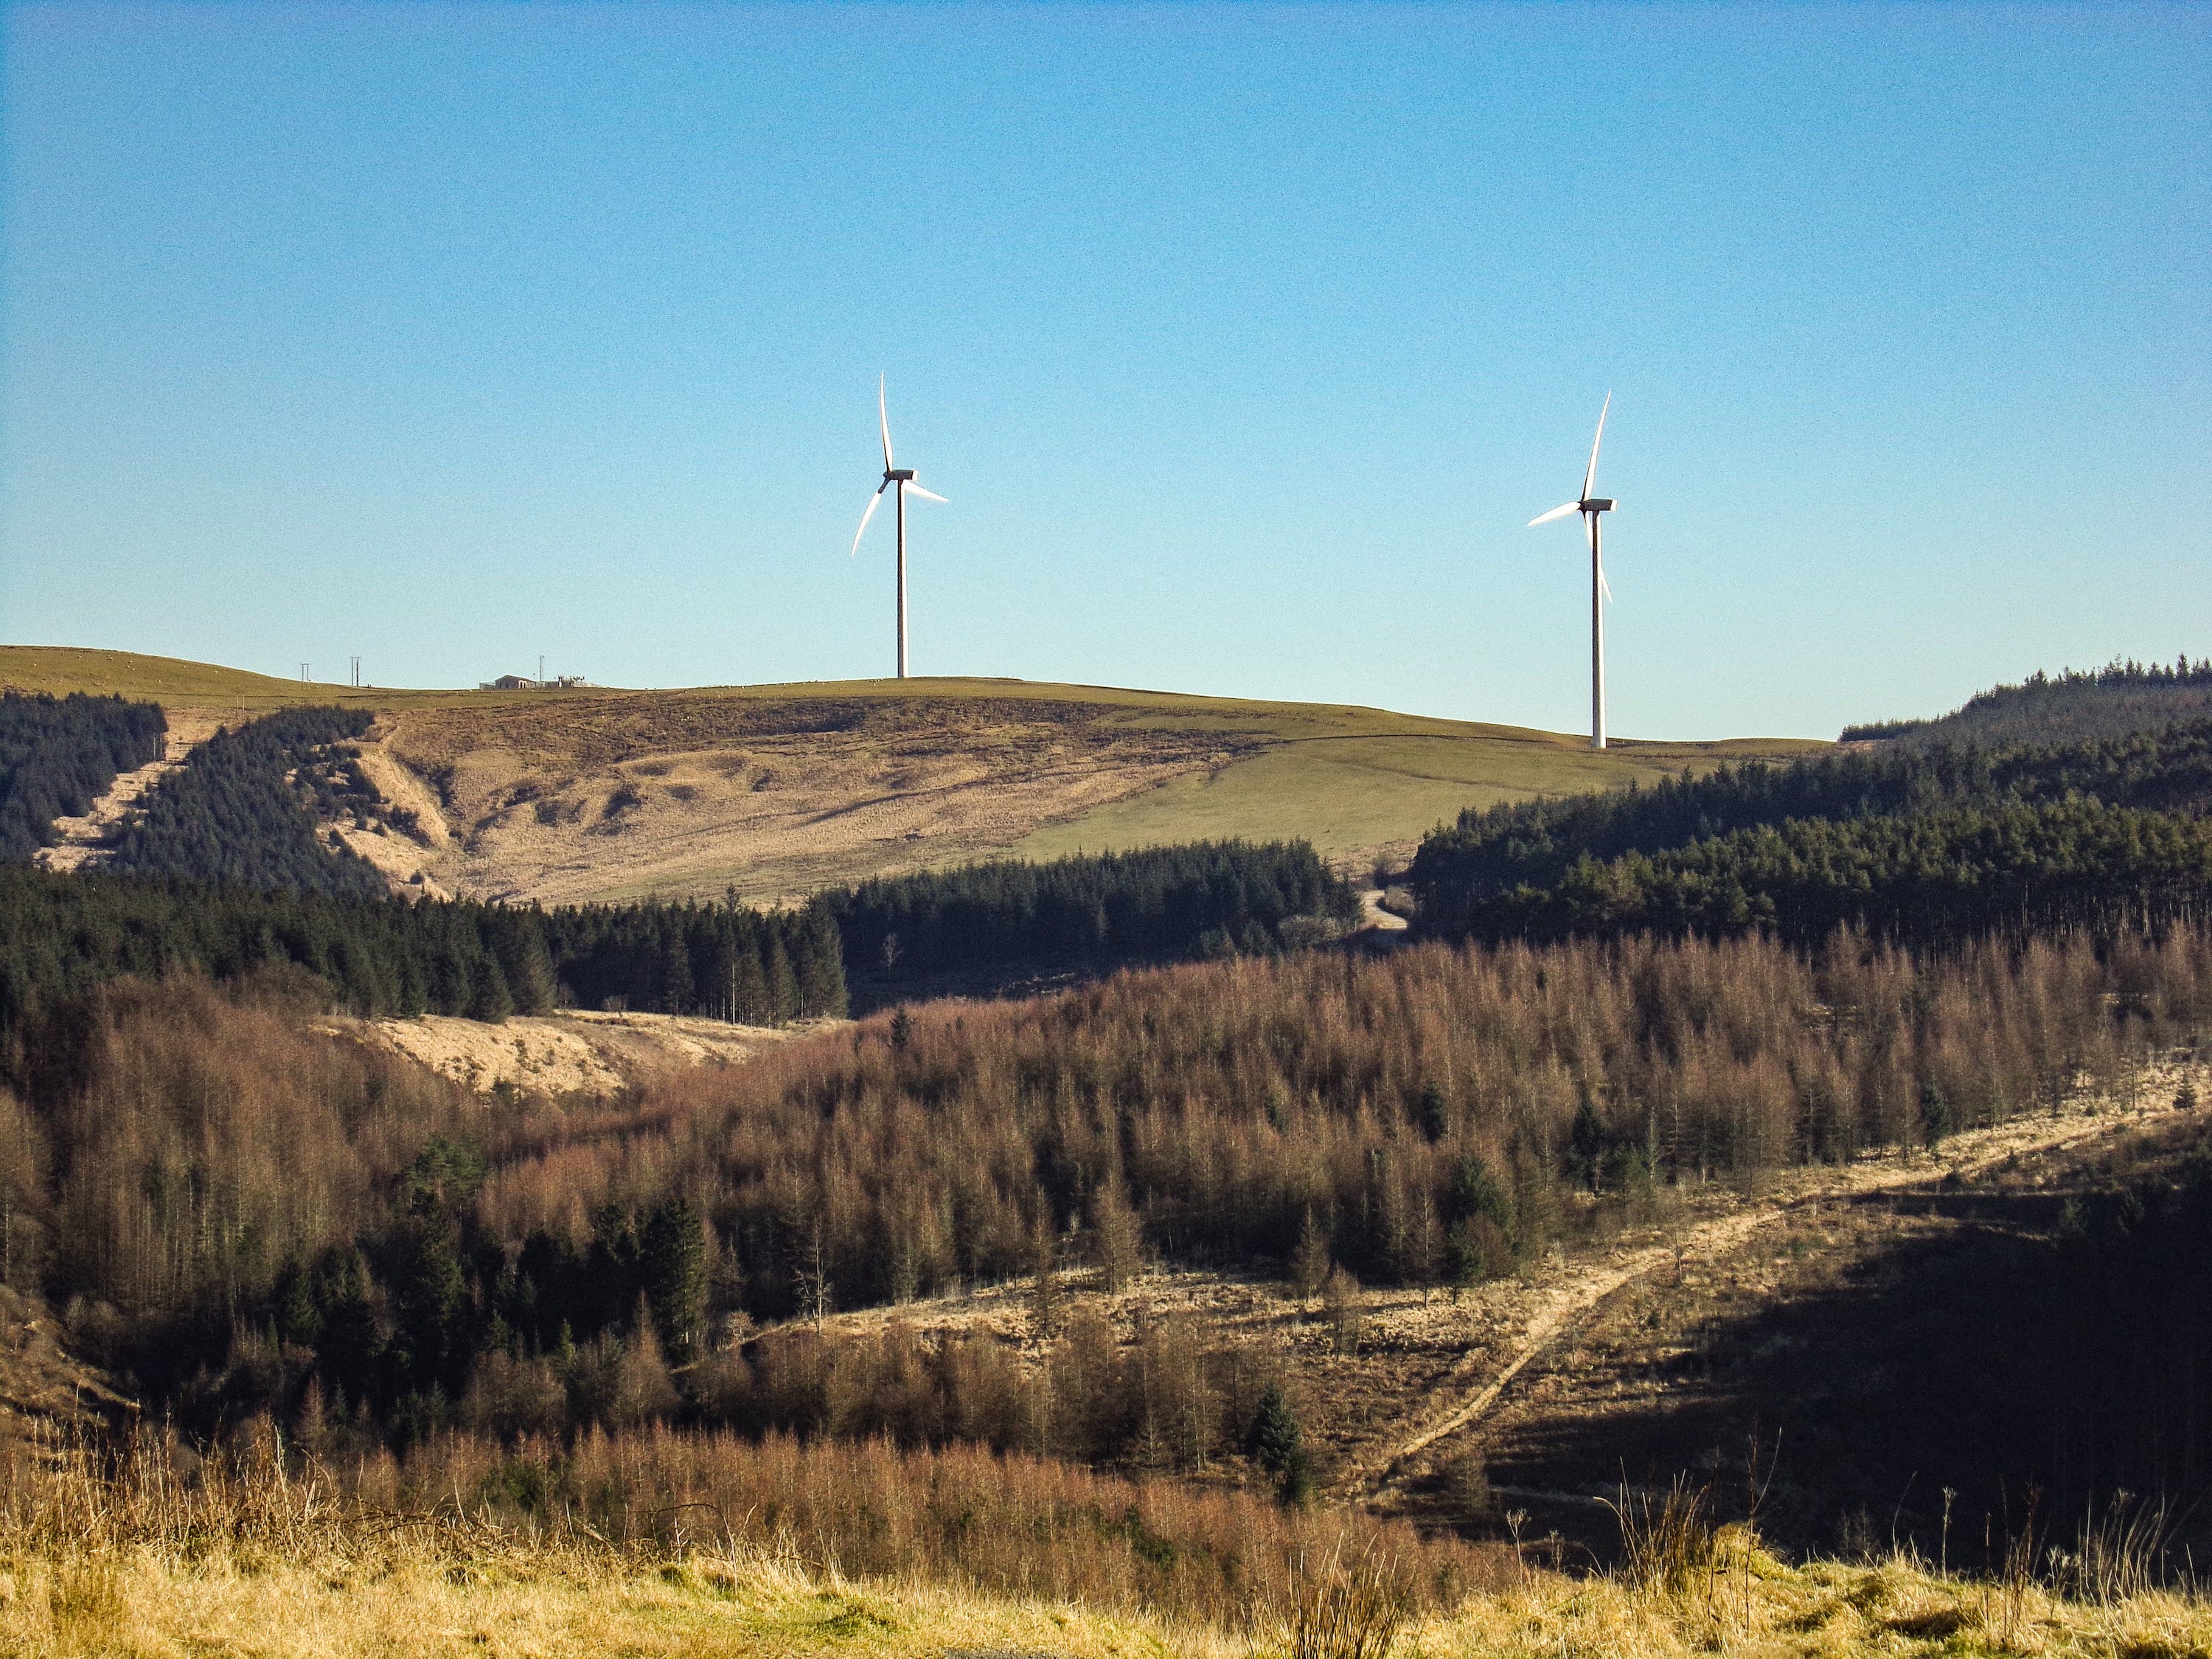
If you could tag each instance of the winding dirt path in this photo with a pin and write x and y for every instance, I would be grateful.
(1474, 1388)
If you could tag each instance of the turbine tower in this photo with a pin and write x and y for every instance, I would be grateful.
(904, 477)
(1590, 506)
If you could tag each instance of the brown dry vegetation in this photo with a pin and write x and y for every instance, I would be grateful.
(1231, 1102)
(180, 1147)
(778, 790)
(863, 1509)
(1531, 1393)
(665, 1545)
(1432, 1117)
(691, 793)
(1906, 1352)
(201, 1141)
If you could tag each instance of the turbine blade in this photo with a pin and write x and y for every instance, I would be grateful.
(1605, 588)
(874, 501)
(1556, 513)
(884, 419)
(1590, 476)
(914, 488)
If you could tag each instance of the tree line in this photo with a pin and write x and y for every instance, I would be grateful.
(1924, 844)
(63, 935)
(377, 956)
(1929, 877)
(1205, 898)
(2121, 697)
(59, 754)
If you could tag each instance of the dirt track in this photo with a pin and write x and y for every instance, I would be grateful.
(1577, 1290)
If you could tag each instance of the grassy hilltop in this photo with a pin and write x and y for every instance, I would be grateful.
(597, 793)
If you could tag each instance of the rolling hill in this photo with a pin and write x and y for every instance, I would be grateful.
(594, 794)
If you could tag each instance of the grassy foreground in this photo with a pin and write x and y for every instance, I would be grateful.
(159, 1553)
(427, 1595)
(520, 1602)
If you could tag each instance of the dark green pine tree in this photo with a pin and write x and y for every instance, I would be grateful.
(518, 941)
(676, 988)
(819, 965)
(489, 1001)
(672, 1270)
(782, 985)
(1586, 1146)
(1278, 1445)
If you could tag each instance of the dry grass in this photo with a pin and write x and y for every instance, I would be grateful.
(113, 1550)
(158, 1553)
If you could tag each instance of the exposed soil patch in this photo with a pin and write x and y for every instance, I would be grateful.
(569, 1053)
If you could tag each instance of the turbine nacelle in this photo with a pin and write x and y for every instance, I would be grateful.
(899, 475)
(1596, 504)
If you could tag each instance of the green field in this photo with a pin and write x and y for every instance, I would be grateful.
(1351, 791)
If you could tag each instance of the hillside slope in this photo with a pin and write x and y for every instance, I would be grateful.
(2119, 699)
(593, 793)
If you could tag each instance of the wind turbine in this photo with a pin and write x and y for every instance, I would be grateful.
(1590, 506)
(904, 477)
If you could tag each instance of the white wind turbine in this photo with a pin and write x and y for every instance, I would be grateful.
(904, 477)
(1590, 506)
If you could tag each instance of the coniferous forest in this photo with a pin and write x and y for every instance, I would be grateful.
(1926, 844)
(2120, 698)
(58, 754)
(228, 869)
(1711, 980)
(1207, 898)
(63, 935)
(247, 808)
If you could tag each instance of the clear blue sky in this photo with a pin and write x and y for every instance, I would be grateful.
(1245, 340)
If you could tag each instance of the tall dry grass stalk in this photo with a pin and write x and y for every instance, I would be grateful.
(1669, 1542)
(2121, 1552)
(1348, 1608)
